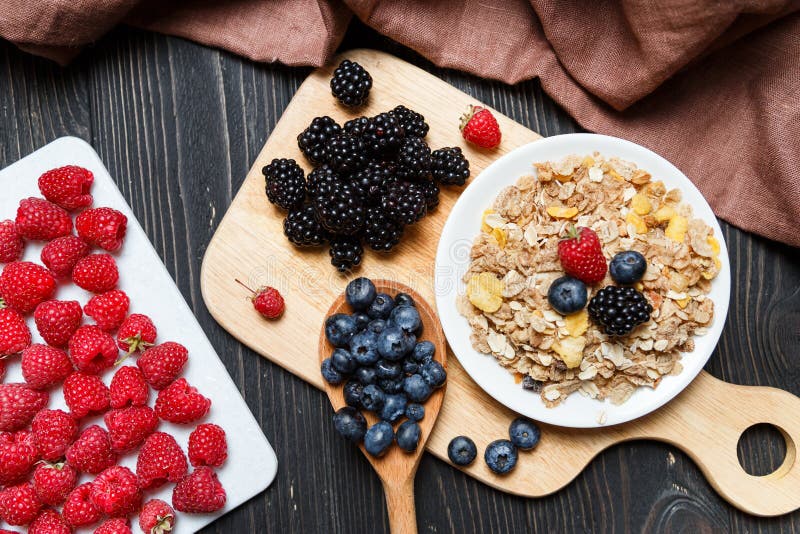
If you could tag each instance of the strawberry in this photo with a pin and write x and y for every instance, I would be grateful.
(129, 427)
(15, 336)
(96, 273)
(85, 394)
(181, 403)
(92, 350)
(160, 460)
(57, 320)
(67, 186)
(53, 482)
(102, 227)
(17, 456)
(156, 517)
(19, 504)
(43, 367)
(116, 491)
(11, 243)
(109, 309)
(207, 446)
(18, 404)
(162, 364)
(91, 452)
(199, 492)
(479, 126)
(53, 433)
(116, 525)
(79, 510)
(23, 285)
(128, 388)
(40, 220)
(61, 254)
(49, 522)
(2, 374)
(136, 333)
(581, 255)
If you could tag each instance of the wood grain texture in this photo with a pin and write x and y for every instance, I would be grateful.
(179, 126)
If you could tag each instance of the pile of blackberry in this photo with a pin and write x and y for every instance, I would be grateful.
(372, 177)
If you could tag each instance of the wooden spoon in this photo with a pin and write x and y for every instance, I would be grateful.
(396, 468)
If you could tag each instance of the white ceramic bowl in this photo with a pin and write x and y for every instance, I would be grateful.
(452, 261)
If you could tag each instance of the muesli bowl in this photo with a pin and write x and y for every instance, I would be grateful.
(499, 374)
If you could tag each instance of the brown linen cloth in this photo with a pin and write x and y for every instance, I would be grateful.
(712, 86)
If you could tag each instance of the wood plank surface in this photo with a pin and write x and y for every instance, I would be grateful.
(179, 126)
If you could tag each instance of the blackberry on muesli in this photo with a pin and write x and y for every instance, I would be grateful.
(430, 191)
(372, 178)
(340, 209)
(285, 183)
(313, 141)
(412, 122)
(321, 179)
(356, 127)
(303, 229)
(403, 202)
(449, 166)
(381, 233)
(383, 134)
(346, 153)
(346, 252)
(351, 83)
(413, 159)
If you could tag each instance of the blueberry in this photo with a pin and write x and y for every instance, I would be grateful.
(416, 389)
(366, 375)
(434, 374)
(352, 393)
(500, 456)
(408, 436)
(372, 398)
(415, 412)
(343, 361)
(376, 325)
(387, 369)
(524, 433)
(331, 375)
(381, 306)
(567, 295)
(339, 328)
(424, 351)
(410, 366)
(462, 450)
(391, 385)
(350, 423)
(393, 408)
(406, 317)
(394, 343)
(364, 347)
(378, 438)
(403, 299)
(362, 320)
(627, 267)
(360, 293)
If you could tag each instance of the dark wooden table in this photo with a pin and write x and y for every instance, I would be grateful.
(178, 125)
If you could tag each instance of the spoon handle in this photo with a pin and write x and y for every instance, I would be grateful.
(400, 504)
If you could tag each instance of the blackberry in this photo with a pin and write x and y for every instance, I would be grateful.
(412, 122)
(285, 183)
(413, 159)
(356, 127)
(619, 309)
(372, 179)
(351, 83)
(449, 166)
(320, 180)
(430, 191)
(380, 231)
(340, 209)
(313, 141)
(383, 134)
(346, 153)
(302, 228)
(403, 202)
(345, 252)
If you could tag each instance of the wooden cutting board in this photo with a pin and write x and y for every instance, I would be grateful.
(705, 421)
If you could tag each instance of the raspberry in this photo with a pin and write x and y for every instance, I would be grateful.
(92, 350)
(285, 183)
(116, 491)
(269, 302)
(108, 309)
(207, 446)
(18, 404)
(136, 333)
(58, 320)
(61, 254)
(199, 492)
(53, 482)
(156, 517)
(19, 505)
(67, 186)
(40, 220)
(117, 525)
(162, 364)
(11, 243)
(313, 141)
(91, 452)
(49, 522)
(181, 403)
(160, 460)
(17, 456)
(79, 510)
(102, 227)
(351, 83)
(43, 367)
(96, 273)
(479, 126)
(128, 388)
(129, 427)
(14, 333)
(53, 433)
(23, 285)
(85, 394)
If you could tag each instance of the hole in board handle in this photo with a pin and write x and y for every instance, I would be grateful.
(766, 450)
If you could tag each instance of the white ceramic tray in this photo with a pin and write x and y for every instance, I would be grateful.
(251, 463)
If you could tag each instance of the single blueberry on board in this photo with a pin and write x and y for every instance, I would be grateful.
(415, 411)
(434, 374)
(500, 456)
(462, 450)
(408, 434)
(339, 328)
(381, 306)
(372, 398)
(350, 423)
(343, 361)
(364, 347)
(524, 433)
(567, 295)
(378, 438)
(406, 317)
(331, 375)
(388, 370)
(360, 293)
(424, 351)
(393, 408)
(352, 393)
(416, 389)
